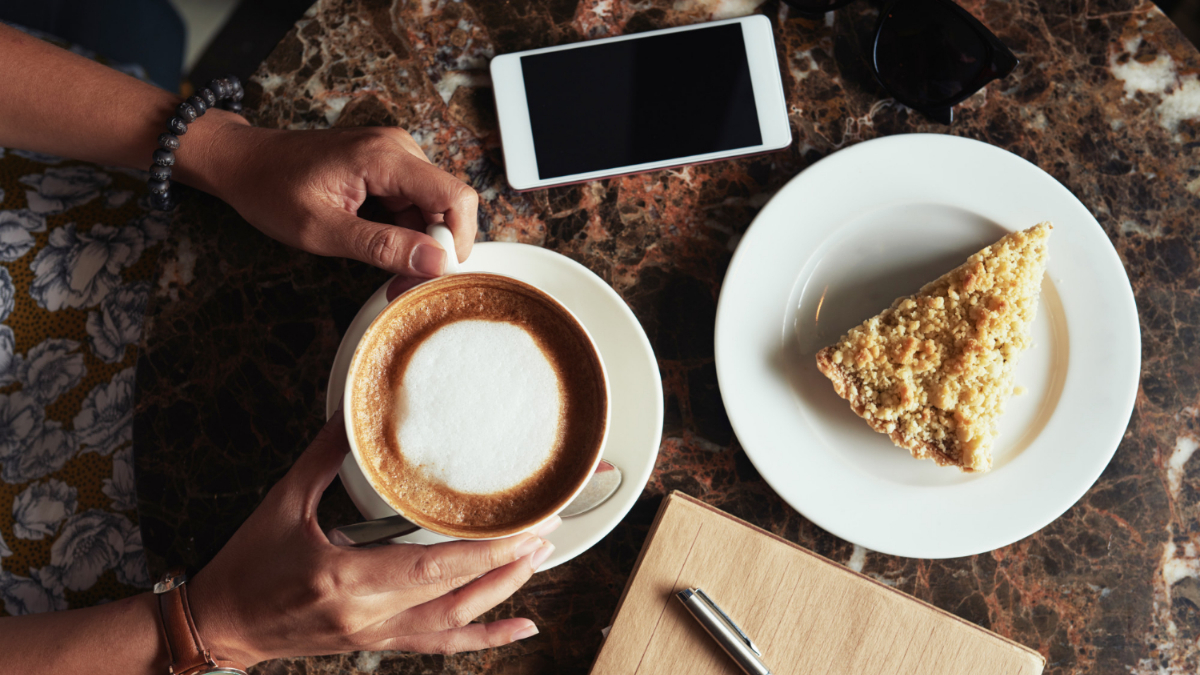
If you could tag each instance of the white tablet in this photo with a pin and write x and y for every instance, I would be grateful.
(640, 102)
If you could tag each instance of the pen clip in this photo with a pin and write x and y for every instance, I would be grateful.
(728, 621)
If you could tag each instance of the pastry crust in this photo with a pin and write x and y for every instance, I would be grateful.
(934, 370)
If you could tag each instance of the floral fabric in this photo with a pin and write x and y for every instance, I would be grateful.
(78, 245)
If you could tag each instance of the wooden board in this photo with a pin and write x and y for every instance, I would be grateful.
(809, 615)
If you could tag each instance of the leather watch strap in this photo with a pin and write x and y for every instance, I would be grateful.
(184, 646)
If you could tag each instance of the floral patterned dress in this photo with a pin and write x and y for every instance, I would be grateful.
(78, 247)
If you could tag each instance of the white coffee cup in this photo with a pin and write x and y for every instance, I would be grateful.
(563, 496)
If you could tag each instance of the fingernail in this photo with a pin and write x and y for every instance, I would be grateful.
(526, 632)
(540, 556)
(428, 260)
(548, 526)
(528, 546)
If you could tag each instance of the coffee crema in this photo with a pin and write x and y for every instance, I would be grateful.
(478, 405)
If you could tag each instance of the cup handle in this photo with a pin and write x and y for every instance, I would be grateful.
(441, 234)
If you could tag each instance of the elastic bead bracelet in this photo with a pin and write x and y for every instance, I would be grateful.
(225, 93)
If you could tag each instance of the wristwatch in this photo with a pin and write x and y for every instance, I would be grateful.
(185, 649)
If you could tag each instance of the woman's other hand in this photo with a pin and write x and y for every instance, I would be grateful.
(280, 588)
(305, 188)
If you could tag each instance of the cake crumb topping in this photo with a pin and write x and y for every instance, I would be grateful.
(934, 370)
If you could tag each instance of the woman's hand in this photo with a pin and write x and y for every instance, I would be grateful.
(280, 588)
(304, 188)
(300, 187)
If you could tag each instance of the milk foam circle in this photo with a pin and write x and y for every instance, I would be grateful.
(480, 407)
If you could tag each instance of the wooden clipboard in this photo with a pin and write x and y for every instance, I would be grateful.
(808, 615)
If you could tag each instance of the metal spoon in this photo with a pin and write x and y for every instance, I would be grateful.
(599, 488)
(603, 483)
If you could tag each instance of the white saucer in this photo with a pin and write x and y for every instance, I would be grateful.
(635, 427)
(835, 246)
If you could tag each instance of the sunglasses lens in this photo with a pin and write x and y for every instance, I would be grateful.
(927, 53)
(816, 6)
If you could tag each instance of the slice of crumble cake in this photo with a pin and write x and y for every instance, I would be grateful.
(934, 370)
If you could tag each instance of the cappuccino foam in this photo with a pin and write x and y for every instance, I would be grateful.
(497, 371)
(478, 405)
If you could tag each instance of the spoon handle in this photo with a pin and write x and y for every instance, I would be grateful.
(372, 531)
(603, 483)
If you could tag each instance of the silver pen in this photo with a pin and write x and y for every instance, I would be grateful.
(717, 623)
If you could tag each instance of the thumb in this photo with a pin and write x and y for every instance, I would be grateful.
(316, 467)
(396, 249)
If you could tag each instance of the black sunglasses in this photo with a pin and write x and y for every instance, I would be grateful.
(929, 54)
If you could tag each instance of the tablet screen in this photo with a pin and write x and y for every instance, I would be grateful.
(642, 100)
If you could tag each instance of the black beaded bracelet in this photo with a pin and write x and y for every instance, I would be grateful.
(225, 93)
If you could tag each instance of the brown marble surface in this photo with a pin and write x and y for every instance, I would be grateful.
(242, 331)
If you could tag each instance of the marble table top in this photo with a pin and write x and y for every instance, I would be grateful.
(232, 375)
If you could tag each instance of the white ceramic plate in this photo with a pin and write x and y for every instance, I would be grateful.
(635, 426)
(834, 247)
